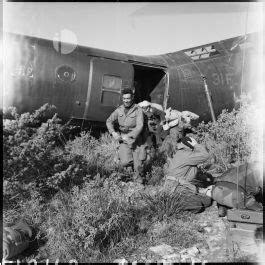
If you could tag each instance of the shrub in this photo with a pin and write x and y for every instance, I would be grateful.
(88, 221)
(182, 232)
(32, 158)
(101, 154)
(155, 169)
(235, 137)
(160, 204)
(107, 154)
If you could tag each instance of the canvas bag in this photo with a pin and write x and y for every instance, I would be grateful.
(228, 193)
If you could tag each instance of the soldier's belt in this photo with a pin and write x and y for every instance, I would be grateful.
(172, 178)
(125, 131)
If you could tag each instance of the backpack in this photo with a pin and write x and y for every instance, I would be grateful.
(237, 187)
(15, 239)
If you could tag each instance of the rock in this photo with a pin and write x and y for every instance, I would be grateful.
(208, 229)
(182, 252)
(185, 258)
(158, 228)
(172, 257)
(162, 250)
(190, 251)
(203, 251)
(206, 224)
(120, 261)
(193, 251)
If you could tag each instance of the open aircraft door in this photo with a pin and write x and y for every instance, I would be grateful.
(107, 78)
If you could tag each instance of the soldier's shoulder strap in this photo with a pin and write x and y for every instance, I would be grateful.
(120, 108)
(138, 108)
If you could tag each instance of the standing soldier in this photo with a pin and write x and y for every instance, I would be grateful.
(132, 151)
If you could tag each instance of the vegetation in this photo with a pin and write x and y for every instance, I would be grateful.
(235, 137)
(70, 190)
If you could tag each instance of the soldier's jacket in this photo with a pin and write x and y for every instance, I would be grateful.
(184, 162)
(131, 123)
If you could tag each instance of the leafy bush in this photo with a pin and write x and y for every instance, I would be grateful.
(107, 154)
(182, 232)
(101, 154)
(235, 137)
(32, 159)
(160, 204)
(154, 169)
(90, 220)
(91, 210)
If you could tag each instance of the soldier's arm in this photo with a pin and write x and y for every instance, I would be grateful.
(110, 121)
(139, 124)
(198, 156)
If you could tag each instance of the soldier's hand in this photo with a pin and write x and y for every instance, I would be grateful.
(201, 166)
(116, 135)
(126, 138)
(193, 141)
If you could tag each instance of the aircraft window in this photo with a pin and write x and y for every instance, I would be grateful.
(66, 73)
(109, 98)
(202, 52)
(111, 88)
(112, 82)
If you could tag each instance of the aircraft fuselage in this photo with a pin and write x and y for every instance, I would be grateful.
(86, 83)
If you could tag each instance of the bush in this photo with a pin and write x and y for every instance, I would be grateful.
(107, 154)
(155, 169)
(100, 155)
(70, 191)
(235, 137)
(86, 223)
(182, 232)
(160, 204)
(33, 158)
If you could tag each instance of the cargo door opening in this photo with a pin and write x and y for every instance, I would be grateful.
(149, 83)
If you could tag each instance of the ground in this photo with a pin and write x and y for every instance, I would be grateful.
(224, 244)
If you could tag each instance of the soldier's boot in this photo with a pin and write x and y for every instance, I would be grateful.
(139, 172)
(138, 175)
(138, 179)
(129, 169)
(222, 210)
(128, 174)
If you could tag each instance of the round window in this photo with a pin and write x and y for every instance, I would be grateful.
(66, 73)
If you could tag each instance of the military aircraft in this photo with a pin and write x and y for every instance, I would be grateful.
(86, 83)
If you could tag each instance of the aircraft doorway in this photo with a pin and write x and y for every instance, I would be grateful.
(150, 84)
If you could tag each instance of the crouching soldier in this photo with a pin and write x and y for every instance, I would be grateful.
(132, 151)
(182, 169)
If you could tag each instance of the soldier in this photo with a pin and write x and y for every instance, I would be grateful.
(181, 170)
(153, 114)
(132, 151)
(182, 167)
(176, 123)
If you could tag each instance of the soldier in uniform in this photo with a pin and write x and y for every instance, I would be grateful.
(182, 167)
(132, 150)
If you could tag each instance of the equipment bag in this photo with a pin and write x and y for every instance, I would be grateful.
(225, 193)
(15, 239)
(237, 187)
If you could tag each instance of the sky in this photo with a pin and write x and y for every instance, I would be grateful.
(134, 28)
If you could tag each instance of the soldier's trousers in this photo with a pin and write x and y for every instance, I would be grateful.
(192, 201)
(133, 155)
